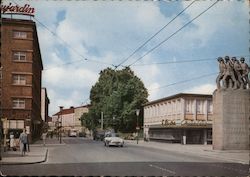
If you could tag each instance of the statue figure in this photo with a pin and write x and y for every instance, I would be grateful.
(244, 72)
(229, 79)
(222, 68)
(237, 71)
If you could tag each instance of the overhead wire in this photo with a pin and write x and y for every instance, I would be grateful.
(184, 81)
(185, 61)
(141, 46)
(66, 44)
(165, 40)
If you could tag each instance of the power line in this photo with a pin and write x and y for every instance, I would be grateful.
(151, 50)
(70, 47)
(136, 50)
(180, 82)
(185, 61)
(66, 44)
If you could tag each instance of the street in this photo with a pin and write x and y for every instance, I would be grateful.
(81, 156)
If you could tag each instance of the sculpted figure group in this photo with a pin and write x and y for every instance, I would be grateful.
(233, 73)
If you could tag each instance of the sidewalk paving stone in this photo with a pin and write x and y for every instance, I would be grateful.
(38, 153)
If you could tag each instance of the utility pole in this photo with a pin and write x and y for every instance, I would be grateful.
(101, 120)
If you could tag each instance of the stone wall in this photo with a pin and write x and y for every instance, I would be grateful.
(231, 119)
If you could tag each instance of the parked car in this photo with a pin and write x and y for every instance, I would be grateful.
(82, 134)
(98, 135)
(73, 133)
(113, 139)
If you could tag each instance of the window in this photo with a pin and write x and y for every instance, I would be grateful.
(188, 106)
(19, 56)
(20, 34)
(18, 103)
(209, 107)
(199, 106)
(19, 79)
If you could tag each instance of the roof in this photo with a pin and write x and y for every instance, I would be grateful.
(84, 106)
(179, 95)
(65, 111)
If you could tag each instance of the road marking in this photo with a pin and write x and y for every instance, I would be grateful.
(163, 169)
(228, 168)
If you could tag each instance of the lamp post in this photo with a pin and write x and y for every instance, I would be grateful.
(61, 109)
(113, 122)
(1, 109)
(137, 126)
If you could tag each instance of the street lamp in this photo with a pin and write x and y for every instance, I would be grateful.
(137, 126)
(61, 109)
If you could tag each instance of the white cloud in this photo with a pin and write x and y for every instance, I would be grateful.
(202, 89)
(110, 31)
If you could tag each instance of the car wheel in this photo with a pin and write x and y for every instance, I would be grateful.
(121, 145)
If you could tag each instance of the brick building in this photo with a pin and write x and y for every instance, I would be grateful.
(181, 118)
(21, 76)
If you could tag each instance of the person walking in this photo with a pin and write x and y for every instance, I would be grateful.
(23, 139)
(44, 138)
(12, 142)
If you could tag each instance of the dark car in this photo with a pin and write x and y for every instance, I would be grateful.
(98, 135)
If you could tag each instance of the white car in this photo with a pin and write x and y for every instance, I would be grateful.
(113, 139)
(73, 133)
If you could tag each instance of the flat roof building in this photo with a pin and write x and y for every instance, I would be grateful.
(181, 118)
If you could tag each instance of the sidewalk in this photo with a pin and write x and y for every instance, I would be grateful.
(231, 156)
(38, 153)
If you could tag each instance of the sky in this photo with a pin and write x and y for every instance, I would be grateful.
(78, 39)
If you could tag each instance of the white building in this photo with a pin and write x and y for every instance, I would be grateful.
(44, 105)
(69, 119)
(182, 118)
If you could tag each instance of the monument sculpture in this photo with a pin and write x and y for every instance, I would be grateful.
(232, 73)
(231, 104)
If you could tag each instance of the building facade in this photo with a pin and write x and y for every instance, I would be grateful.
(69, 119)
(21, 77)
(44, 105)
(182, 118)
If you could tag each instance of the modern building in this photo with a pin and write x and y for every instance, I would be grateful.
(22, 67)
(69, 119)
(44, 105)
(182, 118)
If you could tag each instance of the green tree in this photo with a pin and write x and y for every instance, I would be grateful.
(117, 93)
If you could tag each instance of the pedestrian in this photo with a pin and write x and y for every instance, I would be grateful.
(51, 135)
(44, 138)
(23, 139)
(12, 142)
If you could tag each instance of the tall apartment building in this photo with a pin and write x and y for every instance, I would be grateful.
(182, 118)
(21, 76)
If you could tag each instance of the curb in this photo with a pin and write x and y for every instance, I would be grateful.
(26, 163)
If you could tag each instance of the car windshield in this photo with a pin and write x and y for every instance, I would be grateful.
(113, 135)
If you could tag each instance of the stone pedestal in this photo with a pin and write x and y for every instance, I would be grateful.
(231, 116)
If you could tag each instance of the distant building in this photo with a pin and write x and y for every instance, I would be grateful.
(79, 111)
(44, 105)
(182, 118)
(70, 119)
(21, 77)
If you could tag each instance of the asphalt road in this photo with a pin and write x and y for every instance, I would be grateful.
(91, 158)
